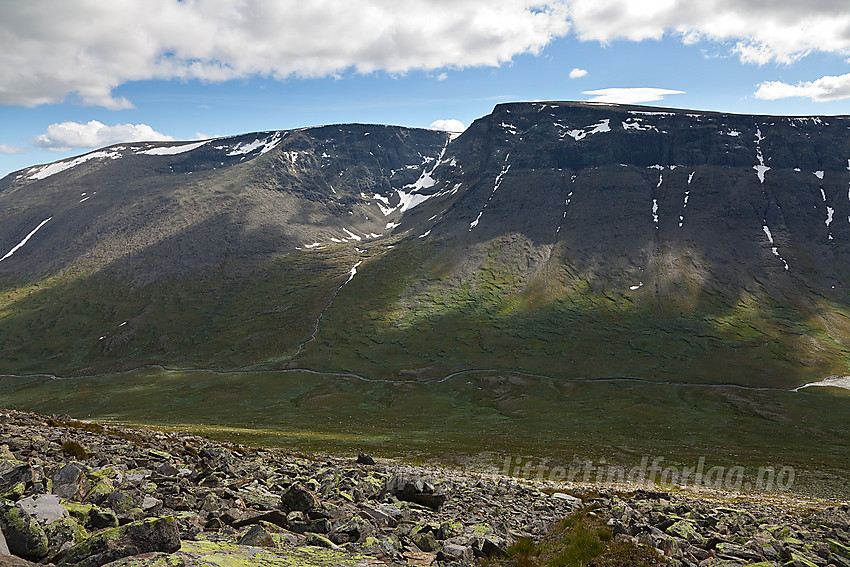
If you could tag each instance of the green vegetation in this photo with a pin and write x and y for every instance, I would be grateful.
(74, 449)
(577, 541)
(476, 419)
(409, 314)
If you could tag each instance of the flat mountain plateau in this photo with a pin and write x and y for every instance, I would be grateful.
(561, 280)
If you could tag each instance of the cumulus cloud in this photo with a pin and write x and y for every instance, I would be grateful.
(578, 73)
(761, 30)
(93, 134)
(636, 95)
(9, 149)
(447, 125)
(86, 49)
(822, 90)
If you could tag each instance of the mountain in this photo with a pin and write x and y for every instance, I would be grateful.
(559, 238)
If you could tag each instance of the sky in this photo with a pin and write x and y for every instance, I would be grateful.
(83, 74)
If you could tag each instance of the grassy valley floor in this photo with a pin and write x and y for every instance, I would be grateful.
(524, 425)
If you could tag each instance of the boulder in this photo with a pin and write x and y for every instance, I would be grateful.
(299, 498)
(99, 518)
(13, 561)
(453, 552)
(354, 530)
(14, 476)
(70, 482)
(45, 508)
(4, 548)
(257, 536)
(415, 489)
(153, 534)
(62, 534)
(24, 536)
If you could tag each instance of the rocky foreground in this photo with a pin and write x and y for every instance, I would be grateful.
(79, 494)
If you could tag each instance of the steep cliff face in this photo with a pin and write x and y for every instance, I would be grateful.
(563, 238)
(620, 192)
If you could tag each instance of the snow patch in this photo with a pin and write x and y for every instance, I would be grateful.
(636, 287)
(26, 238)
(818, 174)
(263, 144)
(602, 126)
(424, 182)
(774, 249)
(351, 235)
(44, 171)
(635, 124)
(354, 268)
(760, 168)
(173, 150)
(499, 179)
(409, 200)
(832, 381)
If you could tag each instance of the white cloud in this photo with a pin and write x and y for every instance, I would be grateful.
(442, 77)
(93, 134)
(86, 49)
(822, 90)
(761, 30)
(578, 73)
(9, 149)
(636, 95)
(448, 125)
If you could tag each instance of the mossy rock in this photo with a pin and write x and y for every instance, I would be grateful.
(24, 536)
(450, 529)
(218, 554)
(686, 529)
(15, 492)
(77, 511)
(151, 535)
(157, 559)
(100, 491)
(838, 548)
(62, 535)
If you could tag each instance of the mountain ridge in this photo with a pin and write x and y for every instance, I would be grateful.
(542, 225)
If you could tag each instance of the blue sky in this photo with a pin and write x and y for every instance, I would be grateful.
(79, 75)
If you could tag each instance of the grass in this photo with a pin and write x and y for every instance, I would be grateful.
(477, 420)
